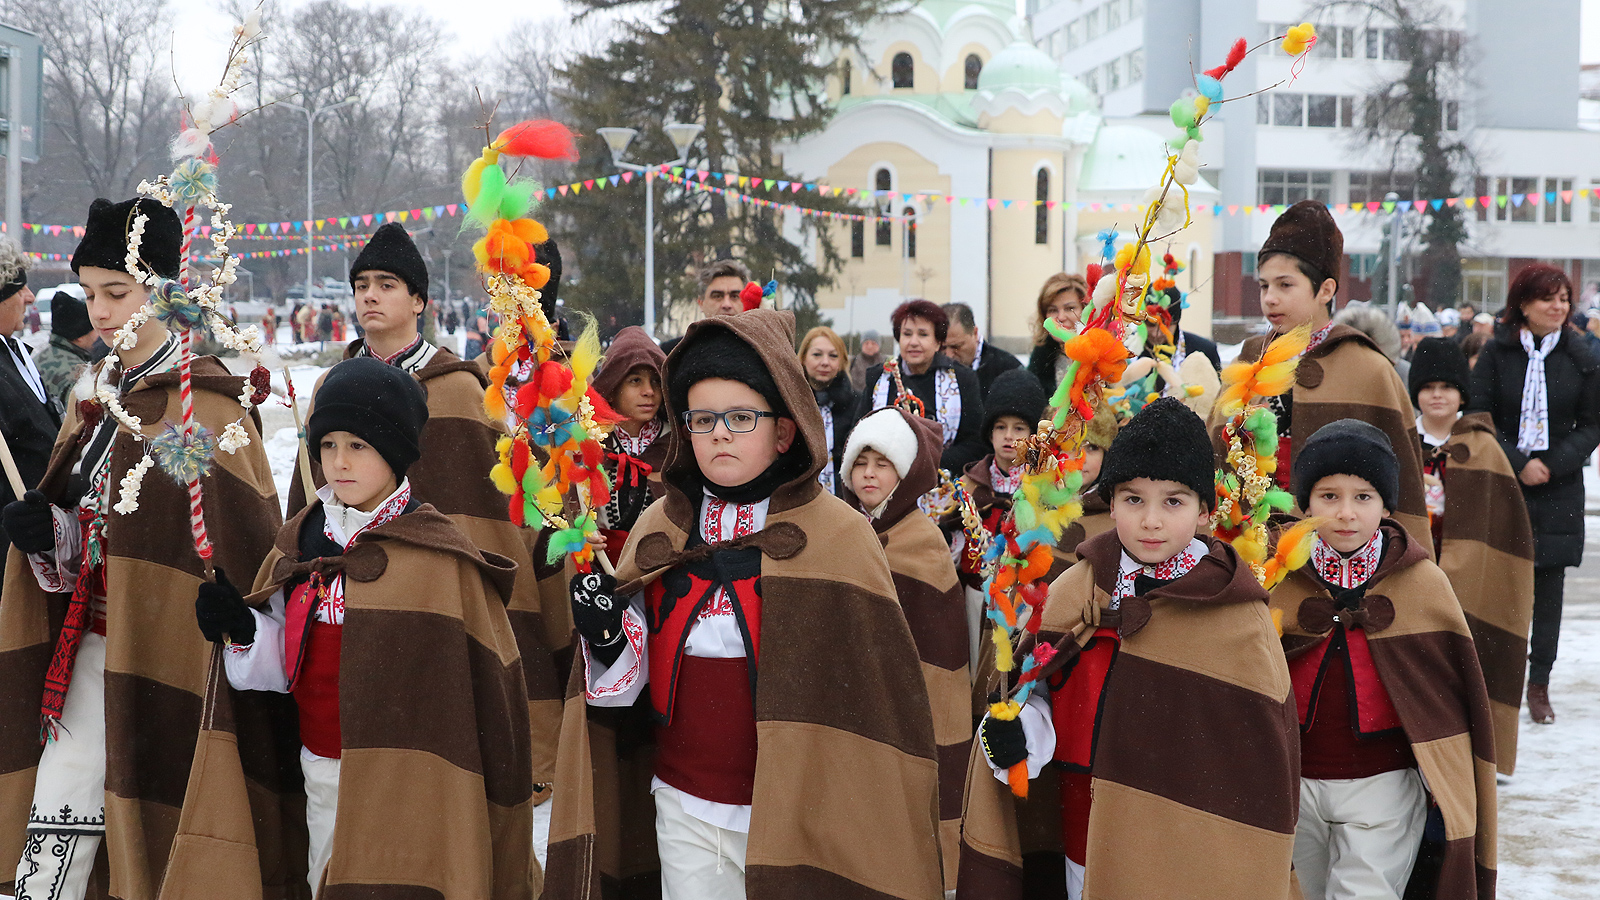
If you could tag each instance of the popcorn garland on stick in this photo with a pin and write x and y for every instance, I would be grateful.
(1114, 329)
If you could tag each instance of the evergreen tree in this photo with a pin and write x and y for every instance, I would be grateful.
(754, 74)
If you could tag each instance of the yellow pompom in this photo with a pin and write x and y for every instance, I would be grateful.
(1300, 39)
(1201, 104)
(1125, 259)
(1002, 650)
(503, 480)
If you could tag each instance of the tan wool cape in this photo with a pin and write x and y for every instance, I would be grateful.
(1423, 652)
(156, 659)
(934, 601)
(846, 781)
(435, 785)
(1196, 766)
(1487, 551)
(458, 450)
(1348, 377)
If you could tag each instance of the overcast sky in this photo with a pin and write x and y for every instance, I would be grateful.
(200, 26)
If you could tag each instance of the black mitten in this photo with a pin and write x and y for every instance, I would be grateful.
(1003, 741)
(597, 614)
(29, 523)
(222, 612)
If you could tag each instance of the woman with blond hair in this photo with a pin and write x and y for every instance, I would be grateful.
(1063, 299)
(826, 362)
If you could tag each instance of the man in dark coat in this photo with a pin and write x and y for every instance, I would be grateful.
(29, 418)
(963, 344)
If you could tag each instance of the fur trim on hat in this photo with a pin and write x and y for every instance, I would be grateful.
(1166, 441)
(1308, 232)
(105, 237)
(1348, 447)
(1440, 359)
(392, 250)
(887, 432)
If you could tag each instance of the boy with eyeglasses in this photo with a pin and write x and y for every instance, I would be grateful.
(748, 681)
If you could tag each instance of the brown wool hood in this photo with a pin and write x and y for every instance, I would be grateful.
(771, 333)
(630, 349)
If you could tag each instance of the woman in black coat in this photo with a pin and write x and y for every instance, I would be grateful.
(1548, 427)
(826, 362)
(949, 393)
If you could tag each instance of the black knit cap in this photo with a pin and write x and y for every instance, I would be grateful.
(69, 316)
(379, 403)
(10, 288)
(719, 353)
(548, 254)
(1440, 359)
(1348, 447)
(1016, 392)
(392, 250)
(105, 237)
(1166, 441)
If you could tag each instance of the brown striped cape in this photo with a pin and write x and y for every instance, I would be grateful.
(1348, 377)
(458, 450)
(846, 783)
(934, 602)
(1487, 551)
(156, 659)
(1197, 762)
(1425, 658)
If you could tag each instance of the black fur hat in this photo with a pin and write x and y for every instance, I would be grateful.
(549, 254)
(1348, 447)
(379, 403)
(105, 237)
(1440, 359)
(1016, 392)
(392, 250)
(1166, 441)
(719, 353)
(69, 316)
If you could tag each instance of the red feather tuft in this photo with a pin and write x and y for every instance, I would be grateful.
(603, 413)
(1236, 55)
(541, 138)
(750, 296)
(1092, 275)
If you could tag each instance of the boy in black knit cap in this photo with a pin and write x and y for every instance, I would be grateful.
(1166, 675)
(1388, 692)
(712, 695)
(359, 646)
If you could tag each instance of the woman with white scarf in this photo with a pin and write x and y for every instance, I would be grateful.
(1541, 384)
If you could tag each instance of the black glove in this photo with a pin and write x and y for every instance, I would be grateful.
(597, 614)
(29, 523)
(221, 612)
(1003, 741)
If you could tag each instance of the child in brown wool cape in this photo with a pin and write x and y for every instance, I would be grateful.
(389, 628)
(630, 379)
(1393, 714)
(1161, 733)
(890, 460)
(1481, 534)
(749, 700)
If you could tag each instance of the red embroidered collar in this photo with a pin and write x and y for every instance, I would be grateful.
(1347, 572)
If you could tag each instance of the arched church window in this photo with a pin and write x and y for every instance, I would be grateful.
(974, 69)
(901, 69)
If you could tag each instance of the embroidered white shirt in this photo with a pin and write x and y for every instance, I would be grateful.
(1347, 571)
(1176, 567)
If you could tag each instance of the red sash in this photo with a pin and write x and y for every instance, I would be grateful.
(672, 604)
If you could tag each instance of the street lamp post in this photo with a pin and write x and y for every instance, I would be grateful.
(311, 118)
(1394, 254)
(617, 140)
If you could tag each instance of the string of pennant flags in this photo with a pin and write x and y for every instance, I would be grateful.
(338, 245)
(735, 185)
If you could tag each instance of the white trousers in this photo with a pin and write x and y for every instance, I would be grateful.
(699, 861)
(1358, 838)
(68, 819)
(322, 807)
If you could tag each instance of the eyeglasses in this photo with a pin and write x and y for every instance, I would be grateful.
(739, 421)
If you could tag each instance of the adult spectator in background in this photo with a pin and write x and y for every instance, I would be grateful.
(945, 392)
(871, 355)
(824, 358)
(29, 417)
(1541, 385)
(306, 318)
(1472, 345)
(61, 361)
(1376, 324)
(1483, 324)
(1449, 322)
(31, 314)
(1062, 298)
(966, 346)
(720, 284)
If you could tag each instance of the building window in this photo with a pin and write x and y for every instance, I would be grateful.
(910, 215)
(1136, 66)
(1373, 187)
(1091, 25)
(1347, 43)
(1194, 268)
(1135, 8)
(1288, 109)
(1452, 115)
(902, 70)
(1091, 80)
(1113, 75)
(1374, 42)
(858, 239)
(1483, 283)
(844, 78)
(1282, 187)
(1594, 200)
(974, 68)
(1520, 188)
(1041, 212)
(1558, 199)
(1392, 46)
(885, 229)
(1113, 15)
(1347, 112)
(1322, 110)
(1074, 34)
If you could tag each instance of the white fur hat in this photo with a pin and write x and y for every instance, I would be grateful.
(885, 431)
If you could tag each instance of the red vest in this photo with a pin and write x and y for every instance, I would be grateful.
(311, 658)
(1349, 726)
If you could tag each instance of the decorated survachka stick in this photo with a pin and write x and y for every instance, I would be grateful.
(551, 465)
